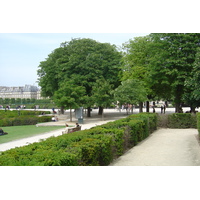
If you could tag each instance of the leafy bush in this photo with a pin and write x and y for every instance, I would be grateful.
(198, 122)
(23, 117)
(97, 146)
(182, 120)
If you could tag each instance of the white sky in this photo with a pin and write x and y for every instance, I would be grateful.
(21, 53)
(30, 30)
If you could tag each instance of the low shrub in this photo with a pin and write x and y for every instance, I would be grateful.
(182, 120)
(97, 146)
(198, 122)
(24, 120)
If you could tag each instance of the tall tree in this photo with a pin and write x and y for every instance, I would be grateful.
(102, 94)
(48, 73)
(131, 91)
(173, 64)
(135, 62)
(69, 96)
(82, 60)
(192, 89)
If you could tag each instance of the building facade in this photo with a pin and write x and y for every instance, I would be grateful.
(24, 92)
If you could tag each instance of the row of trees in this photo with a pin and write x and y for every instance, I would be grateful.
(84, 72)
(20, 101)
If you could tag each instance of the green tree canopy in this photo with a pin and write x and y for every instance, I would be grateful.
(192, 89)
(102, 96)
(131, 91)
(173, 62)
(82, 60)
(69, 95)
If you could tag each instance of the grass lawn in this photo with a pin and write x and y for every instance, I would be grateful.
(19, 132)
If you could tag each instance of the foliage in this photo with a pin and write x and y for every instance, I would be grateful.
(102, 93)
(198, 122)
(172, 63)
(96, 146)
(165, 63)
(17, 118)
(192, 91)
(69, 95)
(138, 54)
(83, 61)
(182, 120)
(28, 103)
(130, 91)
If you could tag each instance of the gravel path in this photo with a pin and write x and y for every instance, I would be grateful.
(165, 147)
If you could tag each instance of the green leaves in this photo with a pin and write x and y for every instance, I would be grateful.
(130, 91)
(82, 61)
(101, 93)
(69, 95)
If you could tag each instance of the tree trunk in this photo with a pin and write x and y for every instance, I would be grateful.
(132, 108)
(192, 109)
(62, 110)
(178, 108)
(102, 115)
(141, 107)
(70, 115)
(89, 112)
(100, 110)
(178, 96)
(147, 106)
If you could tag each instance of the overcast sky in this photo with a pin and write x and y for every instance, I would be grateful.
(21, 53)
(30, 30)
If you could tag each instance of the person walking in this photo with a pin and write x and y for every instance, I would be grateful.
(162, 109)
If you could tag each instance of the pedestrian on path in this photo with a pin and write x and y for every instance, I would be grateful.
(162, 109)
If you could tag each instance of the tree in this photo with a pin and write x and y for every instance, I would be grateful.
(69, 96)
(131, 91)
(82, 60)
(136, 62)
(7, 101)
(192, 90)
(102, 96)
(173, 63)
(12, 100)
(48, 73)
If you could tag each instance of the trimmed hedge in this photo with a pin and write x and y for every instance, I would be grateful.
(178, 120)
(19, 121)
(97, 146)
(16, 118)
(198, 123)
(16, 113)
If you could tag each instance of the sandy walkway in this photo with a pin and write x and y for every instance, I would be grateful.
(165, 147)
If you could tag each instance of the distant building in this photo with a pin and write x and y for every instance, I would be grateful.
(24, 92)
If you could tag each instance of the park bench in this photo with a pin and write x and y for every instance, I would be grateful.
(71, 130)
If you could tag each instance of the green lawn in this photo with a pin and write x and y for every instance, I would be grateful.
(19, 132)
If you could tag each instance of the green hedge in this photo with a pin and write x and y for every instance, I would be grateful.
(16, 118)
(16, 113)
(19, 121)
(198, 122)
(97, 146)
(182, 120)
